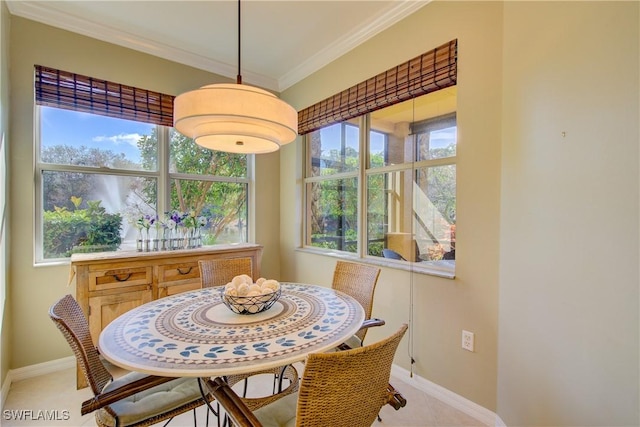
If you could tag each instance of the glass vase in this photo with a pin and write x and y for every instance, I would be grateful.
(165, 243)
(175, 240)
(139, 241)
(192, 238)
(147, 242)
(198, 238)
(155, 242)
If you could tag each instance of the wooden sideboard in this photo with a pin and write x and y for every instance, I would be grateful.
(109, 284)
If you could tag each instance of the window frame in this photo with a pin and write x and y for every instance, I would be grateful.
(162, 175)
(364, 170)
(309, 179)
(432, 71)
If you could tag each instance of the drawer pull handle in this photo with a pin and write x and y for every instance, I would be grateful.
(184, 272)
(121, 278)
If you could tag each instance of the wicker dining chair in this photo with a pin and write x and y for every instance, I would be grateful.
(219, 272)
(134, 399)
(359, 281)
(345, 388)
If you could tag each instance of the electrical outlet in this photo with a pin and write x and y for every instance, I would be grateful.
(467, 340)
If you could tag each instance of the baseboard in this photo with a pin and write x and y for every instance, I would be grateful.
(499, 422)
(452, 399)
(42, 368)
(6, 384)
(35, 371)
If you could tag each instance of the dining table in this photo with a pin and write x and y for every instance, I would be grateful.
(194, 334)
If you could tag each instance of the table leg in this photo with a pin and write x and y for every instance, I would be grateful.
(208, 404)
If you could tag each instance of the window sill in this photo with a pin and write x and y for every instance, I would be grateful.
(444, 269)
(52, 262)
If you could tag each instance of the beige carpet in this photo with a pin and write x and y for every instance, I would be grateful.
(56, 395)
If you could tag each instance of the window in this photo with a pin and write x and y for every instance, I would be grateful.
(380, 178)
(104, 182)
(408, 183)
(332, 187)
(411, 182)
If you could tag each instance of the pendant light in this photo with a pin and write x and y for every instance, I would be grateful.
(235, 118)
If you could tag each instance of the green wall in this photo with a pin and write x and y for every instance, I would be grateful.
(548, 230)
(442, 307)
(4, 195)
(569, 326)
(547, 226)
(33, 289)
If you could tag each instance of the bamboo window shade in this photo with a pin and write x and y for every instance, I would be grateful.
(62, 89)
(429, 72)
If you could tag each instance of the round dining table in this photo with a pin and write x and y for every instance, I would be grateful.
(194, 334)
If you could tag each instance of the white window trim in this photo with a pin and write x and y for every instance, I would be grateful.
(442, 268)
(162, 175)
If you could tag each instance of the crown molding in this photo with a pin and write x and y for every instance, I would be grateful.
(386, 18)
(40, 12)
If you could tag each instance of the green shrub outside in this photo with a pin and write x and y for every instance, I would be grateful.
(375, 248)
(82, 230)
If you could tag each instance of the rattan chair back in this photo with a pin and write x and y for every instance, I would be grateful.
(114, 401)
(219, 272)
(287, 376)
(338, 389)
(347, 388)
(70, 319)
(358, 281)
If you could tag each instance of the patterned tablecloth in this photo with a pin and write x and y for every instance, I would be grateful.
(195, 334)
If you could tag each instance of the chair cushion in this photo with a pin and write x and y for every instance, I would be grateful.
(354, 342)
(281, 413)
(148, 403)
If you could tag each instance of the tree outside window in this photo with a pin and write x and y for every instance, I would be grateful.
(332, 193)
(98, 175)
(409, 189)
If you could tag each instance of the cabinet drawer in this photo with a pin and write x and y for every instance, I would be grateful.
(165, 291)
(182, 273)
(103, 309)
(120, 277)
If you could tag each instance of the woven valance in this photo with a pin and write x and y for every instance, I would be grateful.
(62, 89)
(429, 72)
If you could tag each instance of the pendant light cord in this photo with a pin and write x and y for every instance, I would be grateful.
(239, 77)
(414, 150)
